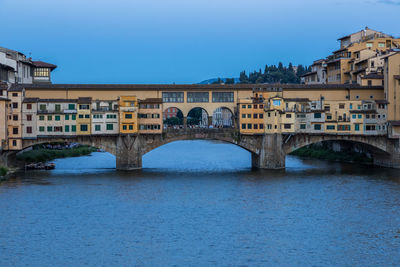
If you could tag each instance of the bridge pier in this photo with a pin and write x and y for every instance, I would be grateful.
(271, 154)
(129, 153)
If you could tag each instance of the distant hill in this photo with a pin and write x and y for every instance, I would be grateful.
(210, 81)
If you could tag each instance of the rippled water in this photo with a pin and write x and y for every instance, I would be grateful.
(197, 203)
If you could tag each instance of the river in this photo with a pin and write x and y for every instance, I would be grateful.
(198, 203)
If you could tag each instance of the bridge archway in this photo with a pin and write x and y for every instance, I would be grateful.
(223, 117)
(173, 117)
(198, 117)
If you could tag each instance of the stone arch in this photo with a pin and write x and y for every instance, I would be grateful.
(172, 117)
(225, 135)
(223, 117)
(106, 143)
(198, 116)
(376, 145)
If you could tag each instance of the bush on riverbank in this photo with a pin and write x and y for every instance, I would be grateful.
(327, 154)
(3, 171)
(43, 155)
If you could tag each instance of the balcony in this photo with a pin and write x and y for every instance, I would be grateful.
(128, 109)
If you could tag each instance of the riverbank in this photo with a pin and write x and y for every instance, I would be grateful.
(323, 153)
(3, 173)
(44, 154)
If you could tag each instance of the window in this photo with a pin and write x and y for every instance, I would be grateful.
(371, 96)
(80, 116)
(249, 116)
(130, 127)
(370, 127)
(15, 117)
(248, 106)
(329, 117)
(327, 108)
(49, 117)
(243, 116)
(255, 106)
(317, 127)
(261, 126)
(14, 142)
(14, 94)
(73, 127)
(255, 126)
(341, 106)
(111, 116)
(351, 106)
(97, 128)
(302, 126)
(97, 116)
(287, 126)
(66, 117)
(71, 106)
(58, 107)
(330, 127)
(110, 127)
(87, 116)
(124, 127)
(288, 115)
(172, 97)
(84, 127)
(57, 128)
(28, 106)
(41, 72)
(128, 116)
(243, 126)
(67, 128)
(255, 116)
(29, 117)
(73, 117)
(15, 105)
(222, 97)
(249, 126)
(360, 116)
(357, 97)
(197, 97)
(243, 106)
(343, 127)
(41, 118)
(49, 128)
(369, 45)
(381, 45)
(84, 106)
(57, 117)
(29, 129)
(261, 115)
(276, 102)
(41, 128)
(317, 116)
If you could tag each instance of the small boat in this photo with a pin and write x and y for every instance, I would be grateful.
(40, 166)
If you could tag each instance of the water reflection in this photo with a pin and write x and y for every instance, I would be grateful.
(198, 204)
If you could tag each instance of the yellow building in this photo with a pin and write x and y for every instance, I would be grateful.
(150, 116)
(128, 114)
(83, 120)
(251, 115)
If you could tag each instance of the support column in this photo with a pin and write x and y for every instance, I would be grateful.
(129, 152)
(271, 154)
(185, 122)
(209, 121)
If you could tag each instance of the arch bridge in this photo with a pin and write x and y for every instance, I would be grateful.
(268, 150)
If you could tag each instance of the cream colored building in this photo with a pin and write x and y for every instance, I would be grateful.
(105, 117)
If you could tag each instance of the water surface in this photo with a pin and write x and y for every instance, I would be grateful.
(198, 203)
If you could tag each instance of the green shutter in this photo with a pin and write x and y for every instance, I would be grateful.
(97, 127)
(73, 128)
(49, 128)
(110, 127)
(67, 128)
(73, 117)
(57, 117)
(41, 129)
(66, 117)
(49, 117)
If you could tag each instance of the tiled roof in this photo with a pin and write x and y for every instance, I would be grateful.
(41, 64)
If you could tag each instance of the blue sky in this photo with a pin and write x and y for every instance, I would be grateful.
(182, 41)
